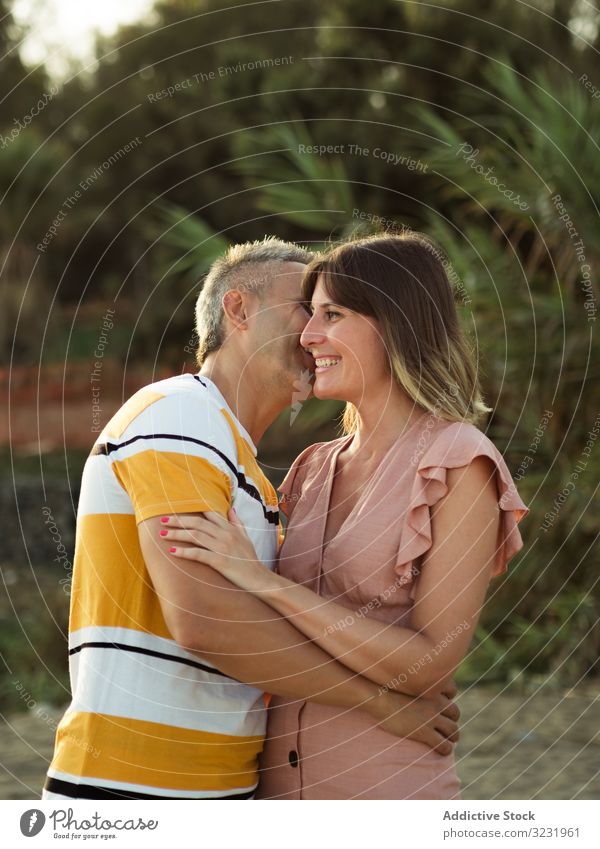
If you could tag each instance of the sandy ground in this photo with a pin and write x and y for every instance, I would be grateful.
(542, 744)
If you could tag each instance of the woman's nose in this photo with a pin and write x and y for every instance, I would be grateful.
(311, 334)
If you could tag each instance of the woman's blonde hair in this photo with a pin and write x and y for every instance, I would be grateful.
(400, 280)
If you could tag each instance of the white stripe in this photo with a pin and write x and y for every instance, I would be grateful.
(101, 492)
(132, 637)
(180, 410)
(215, 394)
(264, 536)
(141, 687)
(143, 788)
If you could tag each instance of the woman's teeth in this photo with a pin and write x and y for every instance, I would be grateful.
(325, 362)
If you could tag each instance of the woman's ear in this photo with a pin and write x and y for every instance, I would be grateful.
(235, 308)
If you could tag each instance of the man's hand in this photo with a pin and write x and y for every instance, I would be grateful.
(431, 720)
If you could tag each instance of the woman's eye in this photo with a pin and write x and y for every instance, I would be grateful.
(329, 314)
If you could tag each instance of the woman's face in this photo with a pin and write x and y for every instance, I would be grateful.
(349, 354)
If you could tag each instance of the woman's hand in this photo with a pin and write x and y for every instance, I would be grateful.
(221, 544)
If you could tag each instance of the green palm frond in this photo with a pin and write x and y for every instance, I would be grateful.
(311, 190)
(542, 140)
(191, 243)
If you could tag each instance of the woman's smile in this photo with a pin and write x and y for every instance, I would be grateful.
(324, 363)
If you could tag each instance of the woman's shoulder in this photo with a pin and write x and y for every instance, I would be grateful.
(316, 455)
(307, 464)
(321, 450)
(454, 444)
(441, 447)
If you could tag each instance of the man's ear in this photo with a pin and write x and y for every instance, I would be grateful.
(235, 308)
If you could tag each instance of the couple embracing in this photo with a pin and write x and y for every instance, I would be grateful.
(211, 655)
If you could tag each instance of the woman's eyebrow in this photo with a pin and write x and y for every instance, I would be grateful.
(296, 301)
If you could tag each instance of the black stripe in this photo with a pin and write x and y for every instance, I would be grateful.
(107, 448)
(196, 377)
(139, 650)
(87, 791)
(271, 517)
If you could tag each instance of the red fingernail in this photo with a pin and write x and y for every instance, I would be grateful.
(164, 519)
(163, 533)
(172, 550)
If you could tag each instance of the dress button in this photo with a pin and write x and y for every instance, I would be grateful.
(293, 756)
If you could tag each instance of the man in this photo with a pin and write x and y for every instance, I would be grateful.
(169, 662)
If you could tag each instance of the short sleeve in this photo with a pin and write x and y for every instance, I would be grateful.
(178, 457)
(291, 486)
(166, 482)
(456, 447)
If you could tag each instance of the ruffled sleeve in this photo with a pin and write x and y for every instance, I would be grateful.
(454, 448)
(291, 486)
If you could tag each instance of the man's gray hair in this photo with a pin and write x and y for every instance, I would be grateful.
(244, 267)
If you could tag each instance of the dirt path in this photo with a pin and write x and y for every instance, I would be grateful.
(541, 745)
(514, 746)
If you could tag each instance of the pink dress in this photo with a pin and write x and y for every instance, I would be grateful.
(371, 567)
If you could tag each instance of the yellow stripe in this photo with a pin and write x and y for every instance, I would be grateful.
(130, 410)
(97, 746)
(111, 584)
(161, 482)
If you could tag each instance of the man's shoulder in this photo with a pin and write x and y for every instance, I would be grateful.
(180, 405)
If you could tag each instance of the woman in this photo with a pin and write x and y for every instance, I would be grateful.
(394, 531)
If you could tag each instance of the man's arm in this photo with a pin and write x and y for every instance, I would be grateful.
(246, 639)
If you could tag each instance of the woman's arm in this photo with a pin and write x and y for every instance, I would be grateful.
(250, 642)
(451, 590)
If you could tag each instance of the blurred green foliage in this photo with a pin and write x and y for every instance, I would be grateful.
(466, 89)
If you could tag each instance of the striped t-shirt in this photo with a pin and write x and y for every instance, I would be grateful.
(148, 717)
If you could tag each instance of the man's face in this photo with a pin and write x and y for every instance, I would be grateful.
(279, 322)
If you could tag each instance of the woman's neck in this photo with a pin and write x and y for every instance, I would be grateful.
(381, 422)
